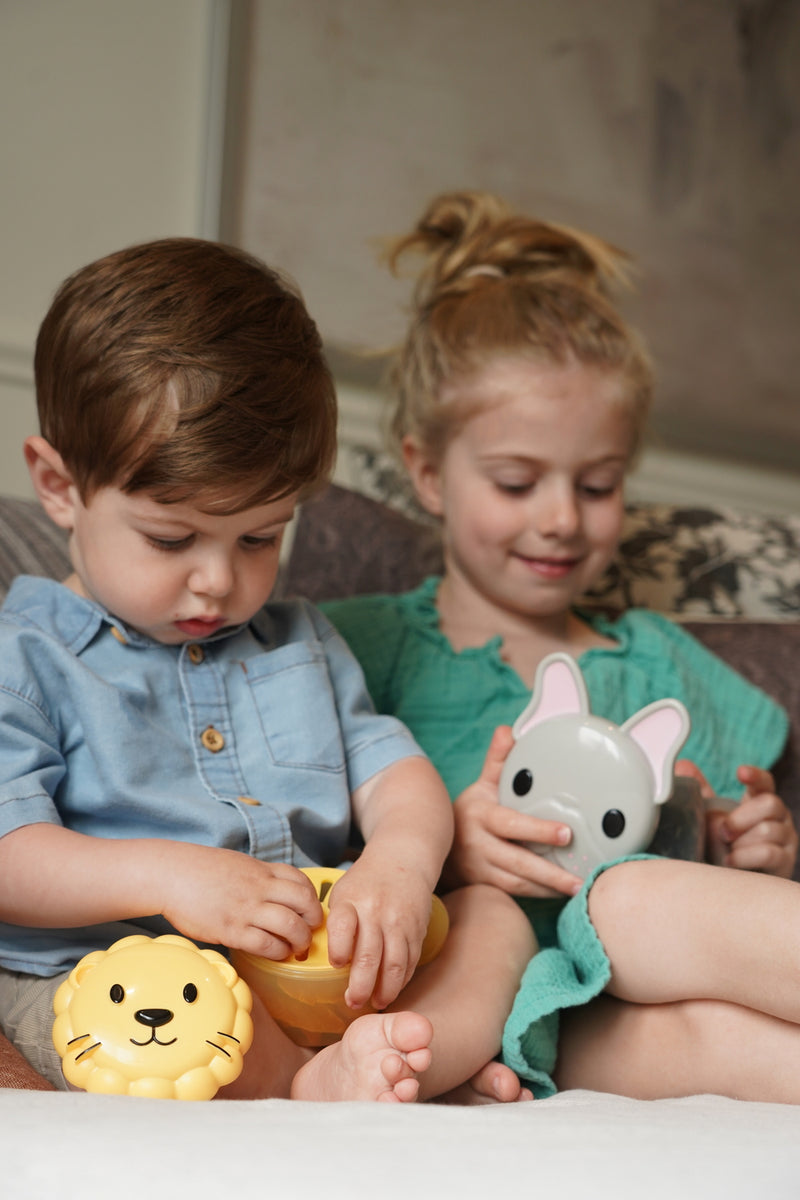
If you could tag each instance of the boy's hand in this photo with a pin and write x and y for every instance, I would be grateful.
(377, 921)
(228, 898)
(485, 847)
(757, 834)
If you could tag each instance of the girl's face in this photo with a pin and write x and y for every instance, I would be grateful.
(530, 488)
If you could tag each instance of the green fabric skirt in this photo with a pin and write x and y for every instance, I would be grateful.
(571, 972)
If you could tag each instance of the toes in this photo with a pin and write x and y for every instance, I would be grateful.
(408, 1031)
(394, 1068)
(407, 1091)
(419, 1060)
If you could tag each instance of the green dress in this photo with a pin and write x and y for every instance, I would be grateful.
(452, 702)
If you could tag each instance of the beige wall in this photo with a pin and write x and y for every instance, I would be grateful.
(670, 126)
(108, 135)
(632, 117)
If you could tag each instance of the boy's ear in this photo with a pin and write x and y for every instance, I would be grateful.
(424, 475)
(52, 481)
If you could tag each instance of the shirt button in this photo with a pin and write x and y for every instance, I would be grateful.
(196, 653)
(212, 739)
(251, 800)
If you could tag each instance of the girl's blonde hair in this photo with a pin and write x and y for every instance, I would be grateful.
(497, 282)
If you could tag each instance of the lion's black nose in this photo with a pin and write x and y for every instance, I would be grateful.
(153, 1017)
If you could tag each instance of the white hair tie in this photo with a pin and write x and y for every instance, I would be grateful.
(484, 269)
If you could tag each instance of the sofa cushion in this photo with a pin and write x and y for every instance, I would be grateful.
(30, 544)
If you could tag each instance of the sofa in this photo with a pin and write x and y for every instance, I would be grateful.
(734, 579)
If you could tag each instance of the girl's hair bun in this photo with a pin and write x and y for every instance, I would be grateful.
(470, 236)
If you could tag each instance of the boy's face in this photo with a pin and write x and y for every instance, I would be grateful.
(172, 571)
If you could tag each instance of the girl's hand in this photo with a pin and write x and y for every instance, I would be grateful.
(378, 918)
(757, 834)
(228, 898)
(485, 847)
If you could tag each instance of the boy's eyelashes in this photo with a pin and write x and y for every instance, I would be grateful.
(169, 544)
(248, 541)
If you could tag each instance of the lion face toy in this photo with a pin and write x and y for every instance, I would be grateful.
(153, 1017)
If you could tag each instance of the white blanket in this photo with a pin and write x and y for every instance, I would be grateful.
(577, 1145)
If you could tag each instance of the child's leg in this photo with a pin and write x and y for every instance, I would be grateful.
(460, 1002)
(656, 1051)
(688, 931)
(270, 1064)
(467, 991)
(377, 1059)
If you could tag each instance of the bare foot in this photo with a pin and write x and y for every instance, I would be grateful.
(379, 1058)
(493, 1084)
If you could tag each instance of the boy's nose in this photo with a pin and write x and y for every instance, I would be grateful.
(213, 576)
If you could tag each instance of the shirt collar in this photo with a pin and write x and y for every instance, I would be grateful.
(76, 621)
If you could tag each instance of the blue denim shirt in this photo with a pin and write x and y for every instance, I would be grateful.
(251, 740)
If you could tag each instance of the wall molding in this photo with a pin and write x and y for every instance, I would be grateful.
(16, 365)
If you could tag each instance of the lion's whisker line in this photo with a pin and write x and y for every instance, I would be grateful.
(78, 1038)
(88, 1050)
(222, 1033)
(221, 1049)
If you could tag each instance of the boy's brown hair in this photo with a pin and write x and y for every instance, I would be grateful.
(189, 369)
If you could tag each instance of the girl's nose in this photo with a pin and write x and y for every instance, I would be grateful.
(211, 576)
(557, 511)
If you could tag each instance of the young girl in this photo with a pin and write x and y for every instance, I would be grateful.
(522, 398)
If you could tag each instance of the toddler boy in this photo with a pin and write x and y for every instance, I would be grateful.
(174, 748)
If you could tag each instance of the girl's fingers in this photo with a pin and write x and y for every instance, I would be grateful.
(515, 826)
(689, 770)
(755, 779)
(496, 755)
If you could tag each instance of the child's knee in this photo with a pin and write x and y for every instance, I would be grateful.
(618, 892)
(491, 913)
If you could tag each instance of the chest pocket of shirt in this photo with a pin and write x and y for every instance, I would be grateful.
(296, 705)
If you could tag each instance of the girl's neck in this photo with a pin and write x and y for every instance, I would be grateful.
(468, 620)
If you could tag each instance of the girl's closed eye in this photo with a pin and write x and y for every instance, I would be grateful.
(599, 491)
(514, 489)
(513, 483)
(600, 488)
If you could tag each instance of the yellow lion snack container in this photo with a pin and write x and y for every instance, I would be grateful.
(154, 1017)
(306, 996)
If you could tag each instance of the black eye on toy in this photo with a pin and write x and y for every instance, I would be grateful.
(613, 823)
(190, 993)
(522, 782)
(117, 993)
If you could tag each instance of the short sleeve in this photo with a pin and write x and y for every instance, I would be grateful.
(372, 740)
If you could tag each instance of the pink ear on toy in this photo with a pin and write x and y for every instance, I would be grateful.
(660, 730)
(558, 691)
